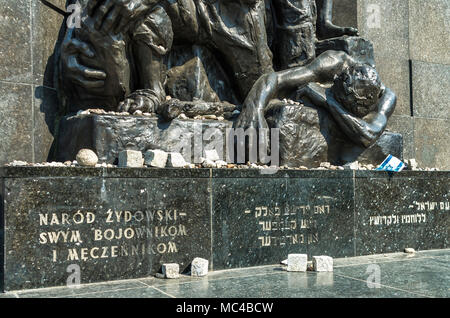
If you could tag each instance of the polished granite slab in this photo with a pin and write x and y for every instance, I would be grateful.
(421, 275)
(120, 223)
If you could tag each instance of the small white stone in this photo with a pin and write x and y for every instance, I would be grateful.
(410, 250)
(322, 263)
(353, 166)
(297, 262)
(221, 164)
(18, 163)
(211, 155)
(412, 163)
(138, 113)
(87, 158)
(156, 158)
(199, 267)
(176, 160)
(171, 271)
(325, 165)
(208, 164)
(182, 116)
(213, 117)
(130, 159)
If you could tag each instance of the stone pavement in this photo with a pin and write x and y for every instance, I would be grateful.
(424, 274)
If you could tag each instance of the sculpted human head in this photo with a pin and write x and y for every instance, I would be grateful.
(358, 89)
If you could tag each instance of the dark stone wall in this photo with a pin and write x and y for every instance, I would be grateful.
(29, 31)
(233, 218)
(410, 39)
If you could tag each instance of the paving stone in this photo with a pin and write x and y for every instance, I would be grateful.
(199, 267)
(322, 263)
(171, 271)
(156, 158)
(130, 159)
(297, 262)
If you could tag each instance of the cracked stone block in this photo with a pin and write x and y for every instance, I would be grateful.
(171, 271)
(297, 262)
(156, 158)
(199, 267)
(322, 263)
(130, 159)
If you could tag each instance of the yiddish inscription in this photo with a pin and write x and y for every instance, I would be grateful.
(288, 225)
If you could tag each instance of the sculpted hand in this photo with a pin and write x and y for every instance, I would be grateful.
(75, 72)
(117, 15)
(251, 117)
(144, 100)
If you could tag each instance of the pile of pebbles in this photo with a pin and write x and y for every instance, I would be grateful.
(211, 159)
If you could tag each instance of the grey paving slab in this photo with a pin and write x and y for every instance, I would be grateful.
(281, 285)
(120, 286)
(422, 276)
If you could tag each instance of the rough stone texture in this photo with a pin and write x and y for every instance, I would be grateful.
(16, 129)
(189, 82)
(176, 160)
(199, 267)
(405, 126)
(345, 13)
(15, 34)
(389, 30)
(309, 136)
(109, 134)
(87, 157)
(130, 159)
(394, 73)
(28, 35)
(431, 101)
(322, 264)
(171, 271)
(45, 120)
(46, 32)
(428, 31)
(432, 142)
(297, 263)
(156, 158)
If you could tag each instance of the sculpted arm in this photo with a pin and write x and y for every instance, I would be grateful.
(367, 130)
(322, 69)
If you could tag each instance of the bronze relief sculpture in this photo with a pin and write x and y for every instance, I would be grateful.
(130, 55)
